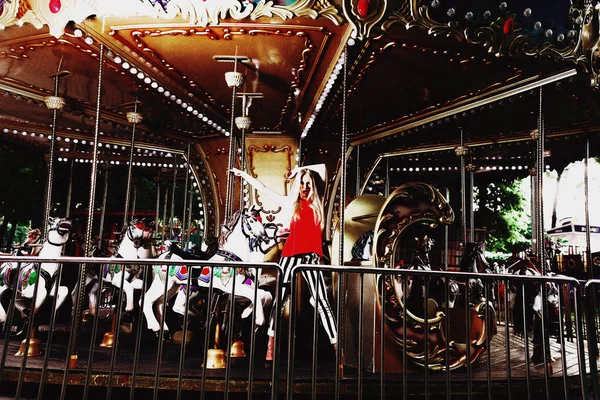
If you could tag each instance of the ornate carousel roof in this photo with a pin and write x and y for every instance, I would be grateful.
(417, 74)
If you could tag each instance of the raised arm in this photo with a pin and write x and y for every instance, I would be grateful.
(256, 184)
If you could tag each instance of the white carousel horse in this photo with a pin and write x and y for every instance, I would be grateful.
(58, 234)
(134, 244)
(239, 242)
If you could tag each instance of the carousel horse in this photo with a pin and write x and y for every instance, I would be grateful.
(362, 250)
(473, 260)
(240, 241)
(134, 244)
(26, 278)
(416, 284)
(8, 270)
(531, 295)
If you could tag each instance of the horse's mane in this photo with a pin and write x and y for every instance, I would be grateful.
(228, 226)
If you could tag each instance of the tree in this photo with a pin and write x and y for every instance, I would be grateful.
(501, 212)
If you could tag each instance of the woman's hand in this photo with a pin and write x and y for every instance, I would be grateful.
(236, 172)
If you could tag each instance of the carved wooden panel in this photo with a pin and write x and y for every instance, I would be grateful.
(269, 160)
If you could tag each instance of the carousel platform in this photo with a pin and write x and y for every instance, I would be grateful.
(489, 376)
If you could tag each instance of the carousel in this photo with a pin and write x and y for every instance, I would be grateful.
(160, 158)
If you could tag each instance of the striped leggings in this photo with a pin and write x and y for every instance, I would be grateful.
(315, 281)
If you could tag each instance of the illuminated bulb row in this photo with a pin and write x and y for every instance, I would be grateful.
(160, 89)
(117, 162)
(481, 168)
(328, 86)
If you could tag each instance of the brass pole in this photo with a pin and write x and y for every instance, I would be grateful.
(74, 343)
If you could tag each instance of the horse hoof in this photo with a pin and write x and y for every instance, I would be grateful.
(23, 331)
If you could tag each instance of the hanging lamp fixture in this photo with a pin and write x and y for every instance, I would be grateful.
(244, 122)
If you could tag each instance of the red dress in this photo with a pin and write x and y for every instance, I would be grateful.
(305, 233)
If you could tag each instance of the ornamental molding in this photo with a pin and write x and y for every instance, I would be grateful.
(414, 14)
(57, 13)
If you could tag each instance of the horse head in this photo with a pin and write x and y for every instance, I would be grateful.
(140, 231)
(252, 226)
(423, 247)
(473, 256)
(59, 230)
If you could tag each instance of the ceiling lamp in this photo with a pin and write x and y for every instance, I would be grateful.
(243, 122)
(54, 102)
(134, 117)
(234, 79)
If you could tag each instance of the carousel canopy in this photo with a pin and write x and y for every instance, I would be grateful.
(415, 74)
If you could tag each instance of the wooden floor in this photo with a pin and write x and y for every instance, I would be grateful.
(324, 376)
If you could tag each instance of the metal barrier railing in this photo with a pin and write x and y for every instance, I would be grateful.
(592, 291)
(433, 370)
(79, 371)
(378, 349)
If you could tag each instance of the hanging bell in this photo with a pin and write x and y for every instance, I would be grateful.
(54, 102)
(34, 349)
(108, 340)
(134, 117)
(215, 359)
(243, 123)
(234, 79)
(237, 349)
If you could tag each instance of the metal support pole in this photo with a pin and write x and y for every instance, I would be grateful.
(463, 190)
(69, 191)
(586, 184)
(157, 213)
(343, 277)
(357, 171)
(130, 171)
(387, 178)
(471, 202)
(171, 223)
(243, 184)
(231, 162)
(103, 212)
(185, 192)
(74, 343)
(50, 179)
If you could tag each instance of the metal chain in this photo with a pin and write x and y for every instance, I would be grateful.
(130, 168)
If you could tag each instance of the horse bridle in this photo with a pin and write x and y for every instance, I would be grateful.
(137, 243)
(58, 229)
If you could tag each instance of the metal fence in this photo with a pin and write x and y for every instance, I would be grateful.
(397, 336)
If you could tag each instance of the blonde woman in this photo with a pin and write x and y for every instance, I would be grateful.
(304, 209)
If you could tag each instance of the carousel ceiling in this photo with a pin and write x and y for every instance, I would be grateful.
(417, 72)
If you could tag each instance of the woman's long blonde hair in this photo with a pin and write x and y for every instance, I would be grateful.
(314, 198)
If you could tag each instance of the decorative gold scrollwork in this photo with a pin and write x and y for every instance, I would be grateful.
(410, 204)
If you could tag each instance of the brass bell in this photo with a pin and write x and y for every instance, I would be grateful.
(215, 359)
(237, 349)
(178, 337)
(108, 340)
(34, 349)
